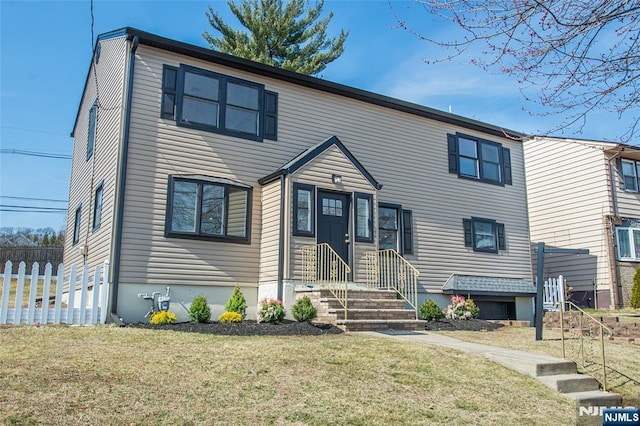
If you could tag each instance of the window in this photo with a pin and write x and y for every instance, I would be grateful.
(76, 225)
(303, 209)
(364, 217)
(208, 208)
(218, 103)
(484, 235)
(91, 136)
(97, 205)
(628, 243)
(475, 158)
(630, 174)
(395, 228)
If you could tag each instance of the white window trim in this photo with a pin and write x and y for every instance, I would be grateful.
(634, 167)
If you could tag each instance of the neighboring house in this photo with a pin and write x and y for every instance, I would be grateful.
(585, 194)
(200, 171)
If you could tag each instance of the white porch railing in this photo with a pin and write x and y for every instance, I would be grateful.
(387, 269)
(54, 299)
(323, 267)
(554, 294)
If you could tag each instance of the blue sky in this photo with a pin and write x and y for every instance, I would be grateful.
(45, 48)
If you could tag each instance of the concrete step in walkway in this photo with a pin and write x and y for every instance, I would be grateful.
(559, 374)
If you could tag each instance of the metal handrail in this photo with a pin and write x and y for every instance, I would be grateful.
(602, 328)
(387, 268)
(322, 266)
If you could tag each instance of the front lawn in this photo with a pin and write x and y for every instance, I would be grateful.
(109, 375)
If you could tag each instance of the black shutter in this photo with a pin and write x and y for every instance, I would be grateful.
(270, 115)
(407, 232)
(502, 240)
(452, 145)
(169, 85)
(468, 233)
(506, 166)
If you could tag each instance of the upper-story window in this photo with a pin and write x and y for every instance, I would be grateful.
(218, 103)
(630, 174)
(208, 207)
(91, 136)
(475, 158)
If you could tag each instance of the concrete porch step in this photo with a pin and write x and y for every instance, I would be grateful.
(596, 398)
(351, 294)
(373, 314)
(570, 383)
(378, 325)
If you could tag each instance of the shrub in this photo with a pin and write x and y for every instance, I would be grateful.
(199, 310)
(303, 310)
(472, 307)
(237, 303)
(162, 317)
(230, 316)
(461, 309)
(270, 310)
(635, 290)
(429, 310)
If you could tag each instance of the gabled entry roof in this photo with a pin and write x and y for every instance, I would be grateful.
(309, 154)
(494, 286)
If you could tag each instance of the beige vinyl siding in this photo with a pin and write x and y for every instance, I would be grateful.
(270, 236)
(86, 175)
(628, 201)
(318, 172)
(405, 153)
(567, 186)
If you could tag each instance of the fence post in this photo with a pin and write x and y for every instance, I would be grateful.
(6, 285)
(33, 290)
(58, 302)
(96, 294)
(104, 293)
(17, 311)
(46, 288)
(83, 294)
(72, 294)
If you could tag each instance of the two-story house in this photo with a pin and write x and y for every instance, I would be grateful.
(585, 194)
(200, 171)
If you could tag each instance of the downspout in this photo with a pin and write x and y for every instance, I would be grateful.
(617, 293)
(117, 243)
(281, 242)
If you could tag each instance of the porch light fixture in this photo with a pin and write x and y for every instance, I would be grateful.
(337, 179)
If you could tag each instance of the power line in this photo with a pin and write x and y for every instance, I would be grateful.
(34, 199)
(35, 131)
(31, 211)
(35, 154)
(12, 206)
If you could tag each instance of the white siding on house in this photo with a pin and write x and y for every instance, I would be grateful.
(86, 175)
(567, 186)
(405, 153)
(628, 202)
(270, 235)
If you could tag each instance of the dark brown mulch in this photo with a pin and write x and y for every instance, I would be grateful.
(249, 328)
(466, 325)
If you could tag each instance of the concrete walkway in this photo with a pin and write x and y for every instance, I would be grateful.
(559, 374)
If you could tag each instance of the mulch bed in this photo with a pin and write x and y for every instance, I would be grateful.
(464, 325)
(248, 328)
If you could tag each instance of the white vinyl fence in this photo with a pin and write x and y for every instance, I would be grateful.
(554, 292)
(77, 299)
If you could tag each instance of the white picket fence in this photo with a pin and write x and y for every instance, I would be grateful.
(554, 292)
(78, 299)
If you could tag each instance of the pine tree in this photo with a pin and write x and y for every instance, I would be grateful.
(278, 35)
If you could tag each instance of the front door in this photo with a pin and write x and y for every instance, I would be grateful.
(333, 222)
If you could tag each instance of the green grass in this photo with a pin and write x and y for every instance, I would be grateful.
(623, 374)
(108, 375)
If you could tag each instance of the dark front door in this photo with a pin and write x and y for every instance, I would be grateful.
(333, 222)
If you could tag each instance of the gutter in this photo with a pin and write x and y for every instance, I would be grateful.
(281, 242)
(117, 242)
(617, 292)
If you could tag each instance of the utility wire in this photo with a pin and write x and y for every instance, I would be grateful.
(34, 199)
(35, 154)
(31, 211)
(11, 206)
(35, 131)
